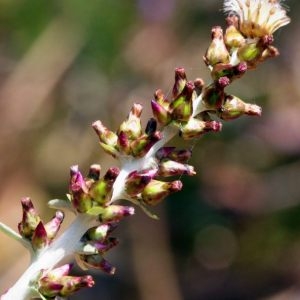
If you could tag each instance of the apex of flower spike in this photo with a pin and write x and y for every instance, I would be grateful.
(257, 18)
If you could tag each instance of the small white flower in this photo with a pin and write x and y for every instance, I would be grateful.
(257, 18)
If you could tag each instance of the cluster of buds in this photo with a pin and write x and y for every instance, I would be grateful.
(57, 283)
(94, 244)
(32, 229)
(191, 110)
(130, 138)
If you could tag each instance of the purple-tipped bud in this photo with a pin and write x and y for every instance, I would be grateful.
(81, 200)
(56, 283)
(124, 142)
(115, 213)
(160, 113)
(53, 226)
(144, 143)
(101, 190)
(195, 128)
(182, 106)
(96, 261)
(173, 168)
(157, 190)
(217, 51)
(223, 82)
(234, 107)
(136, 181)
(132, 127)
(39, 238)
(30, 218)
(180, 81)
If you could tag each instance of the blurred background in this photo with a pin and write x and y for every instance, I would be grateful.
(234, 231)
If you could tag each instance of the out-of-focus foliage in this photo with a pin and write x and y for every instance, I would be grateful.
(234, 230)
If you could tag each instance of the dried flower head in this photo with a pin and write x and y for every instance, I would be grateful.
(257, 18)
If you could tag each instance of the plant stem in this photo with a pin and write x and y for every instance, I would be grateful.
(63, 247)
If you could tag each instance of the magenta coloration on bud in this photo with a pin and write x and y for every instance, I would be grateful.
(80, 198)
(173, 168)
(30, 218)
(161, 114)
(56, 283)
(157, 190)
(123, 142)
(114, 213)
(39, 238)
(223, 81)
(180, 81)
(53, 226)
(96, 261)
(136, 181)
(195, 128)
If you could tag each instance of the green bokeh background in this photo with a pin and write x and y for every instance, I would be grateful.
(234, 231)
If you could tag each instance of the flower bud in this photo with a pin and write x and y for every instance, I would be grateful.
(114, 213)
(56, 283)
(53, 226)
(199, 84)
(98, 233)
(233, 38)
(144, 143)
(195, 128)
(39, 238)
(94, 172)
(234, 107)
(161, 100)
(132, 127)
(179, 155)
(108, 139)
(80, 198)
(124, 142)
(30, 219)
(160, 113)
(157, 190)
(250, 53)
(173, 168)
(96, 261)
(182, 106)
(136, 181)
(180, 82)
(101, 190)
(213, 96)
(97, 247)
(217, 51)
